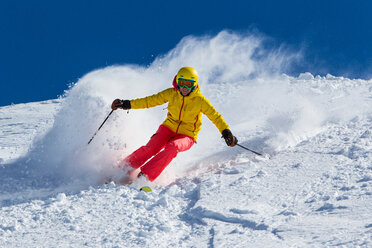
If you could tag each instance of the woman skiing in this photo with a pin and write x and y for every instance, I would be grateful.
(179, 131)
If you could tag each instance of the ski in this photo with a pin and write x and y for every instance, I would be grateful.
(146, 189)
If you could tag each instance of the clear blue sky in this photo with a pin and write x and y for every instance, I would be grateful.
(45, 45)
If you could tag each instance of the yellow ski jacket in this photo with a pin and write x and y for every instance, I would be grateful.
(184, 112)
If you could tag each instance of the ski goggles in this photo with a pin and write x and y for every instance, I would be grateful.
(186, 83)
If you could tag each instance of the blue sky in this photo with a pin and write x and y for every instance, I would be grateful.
(45, 45)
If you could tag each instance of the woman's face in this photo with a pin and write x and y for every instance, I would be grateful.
(185, 91)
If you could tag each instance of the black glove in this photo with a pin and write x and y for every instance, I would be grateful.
(230, 139)
(123, 104)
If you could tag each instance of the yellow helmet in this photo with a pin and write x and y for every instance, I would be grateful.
(189, 74)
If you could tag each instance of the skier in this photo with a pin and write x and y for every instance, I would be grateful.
(179, 131)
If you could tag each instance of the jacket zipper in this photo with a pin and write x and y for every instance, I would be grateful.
(179, 118)
(197, 117)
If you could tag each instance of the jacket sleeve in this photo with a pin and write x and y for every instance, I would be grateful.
(213, 115)
(152, 101)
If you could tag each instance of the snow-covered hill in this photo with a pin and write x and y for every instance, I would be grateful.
(314, 188)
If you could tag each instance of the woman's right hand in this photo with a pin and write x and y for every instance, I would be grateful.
(117, 103)
(123, 104)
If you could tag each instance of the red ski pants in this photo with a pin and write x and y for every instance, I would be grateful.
(163, 138)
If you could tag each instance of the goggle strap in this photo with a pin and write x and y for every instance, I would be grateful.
(185, 79)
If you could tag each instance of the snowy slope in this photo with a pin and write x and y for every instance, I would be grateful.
(315, 190)
(16, 133)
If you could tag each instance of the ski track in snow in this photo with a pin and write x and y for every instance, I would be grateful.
(315, 190)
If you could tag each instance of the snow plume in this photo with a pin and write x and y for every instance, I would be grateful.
(265, 109)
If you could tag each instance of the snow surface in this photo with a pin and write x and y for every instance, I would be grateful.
(313, 188)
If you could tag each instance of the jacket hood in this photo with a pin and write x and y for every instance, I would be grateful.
(175, 82)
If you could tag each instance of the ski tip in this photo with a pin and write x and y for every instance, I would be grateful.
(146, 189)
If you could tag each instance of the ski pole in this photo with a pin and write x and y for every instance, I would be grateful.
(250, 150)
(100, 126)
